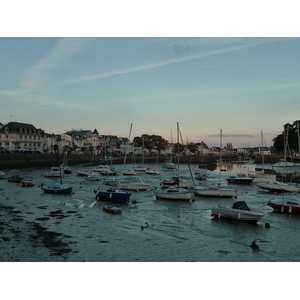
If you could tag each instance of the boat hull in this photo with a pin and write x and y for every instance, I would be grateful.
(284, 207)
(26, 182)
(173, 194)
(113, 209)
(112, 195)
(56, 188)
(278, 187)
(239, 180)
(224, 193)
(234, 214)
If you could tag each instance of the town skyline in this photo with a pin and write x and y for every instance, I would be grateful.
(131, 138)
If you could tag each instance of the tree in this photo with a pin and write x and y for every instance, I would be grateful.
(178, 148)
(292, 140)
(151, 142)
(91, 149)
(192, 147)
(55, 148)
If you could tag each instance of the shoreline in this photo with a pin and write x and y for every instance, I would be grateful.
(19, 161)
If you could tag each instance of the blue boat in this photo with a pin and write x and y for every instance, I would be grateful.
(112, 193)
(57, 188)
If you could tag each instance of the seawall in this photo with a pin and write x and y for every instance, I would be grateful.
(18, 161)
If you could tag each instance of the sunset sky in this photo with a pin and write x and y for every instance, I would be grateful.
(241, 85)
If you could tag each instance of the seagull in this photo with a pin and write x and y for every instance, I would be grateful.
(147, 225)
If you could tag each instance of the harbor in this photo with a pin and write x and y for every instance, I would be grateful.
(74, 228)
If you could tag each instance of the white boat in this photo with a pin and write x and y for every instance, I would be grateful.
(152, 171)
(278, 186)
(211, 191)
(110, 181)
(173, 193)
(283, 163)
(28, 181)
(134, 183)
(2, 174)
(140, 168)
(82, 173)
(111, 172)
(93, 176)
(169, 165)
(102, 168)
(239, 211)
(65, 169)
(129, 173)
(54, 172)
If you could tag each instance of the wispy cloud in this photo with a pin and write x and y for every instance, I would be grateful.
(61, 52)
(281, 73)
(233, 46)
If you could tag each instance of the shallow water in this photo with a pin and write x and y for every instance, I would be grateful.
(43, 227)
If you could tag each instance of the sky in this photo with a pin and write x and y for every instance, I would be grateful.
(242, 85)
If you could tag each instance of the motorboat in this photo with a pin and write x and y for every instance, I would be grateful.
(285, 205)
(134, 183)
(152, 171)
(140, 168)
(93, 176)
(65, 169)
(169, 165)
(54, 172)
(112, 209)
(201, 176)
(56, 188)
(102, 168)
(111, 172)
(112, 193)
(240, 179)
(15, 176)
(110, 181)
(278, 186)
(129, 173)
(2, 174)
(173, 193)
(83, 173)
(28, 181)
(215, 191)
(283, 163)
(239, 211)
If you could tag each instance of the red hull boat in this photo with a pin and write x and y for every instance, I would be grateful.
(285, 205)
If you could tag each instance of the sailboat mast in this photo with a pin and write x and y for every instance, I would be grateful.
(220, 156)
(262, 149)
(298, 139)
(129, 140)
(178, 149)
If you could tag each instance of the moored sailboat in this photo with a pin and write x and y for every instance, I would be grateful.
(217, 191)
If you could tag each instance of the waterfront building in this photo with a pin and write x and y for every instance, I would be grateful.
(15, 136)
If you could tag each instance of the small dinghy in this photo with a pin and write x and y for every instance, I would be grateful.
(112, 209)
(28, 181)
(15, 176)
